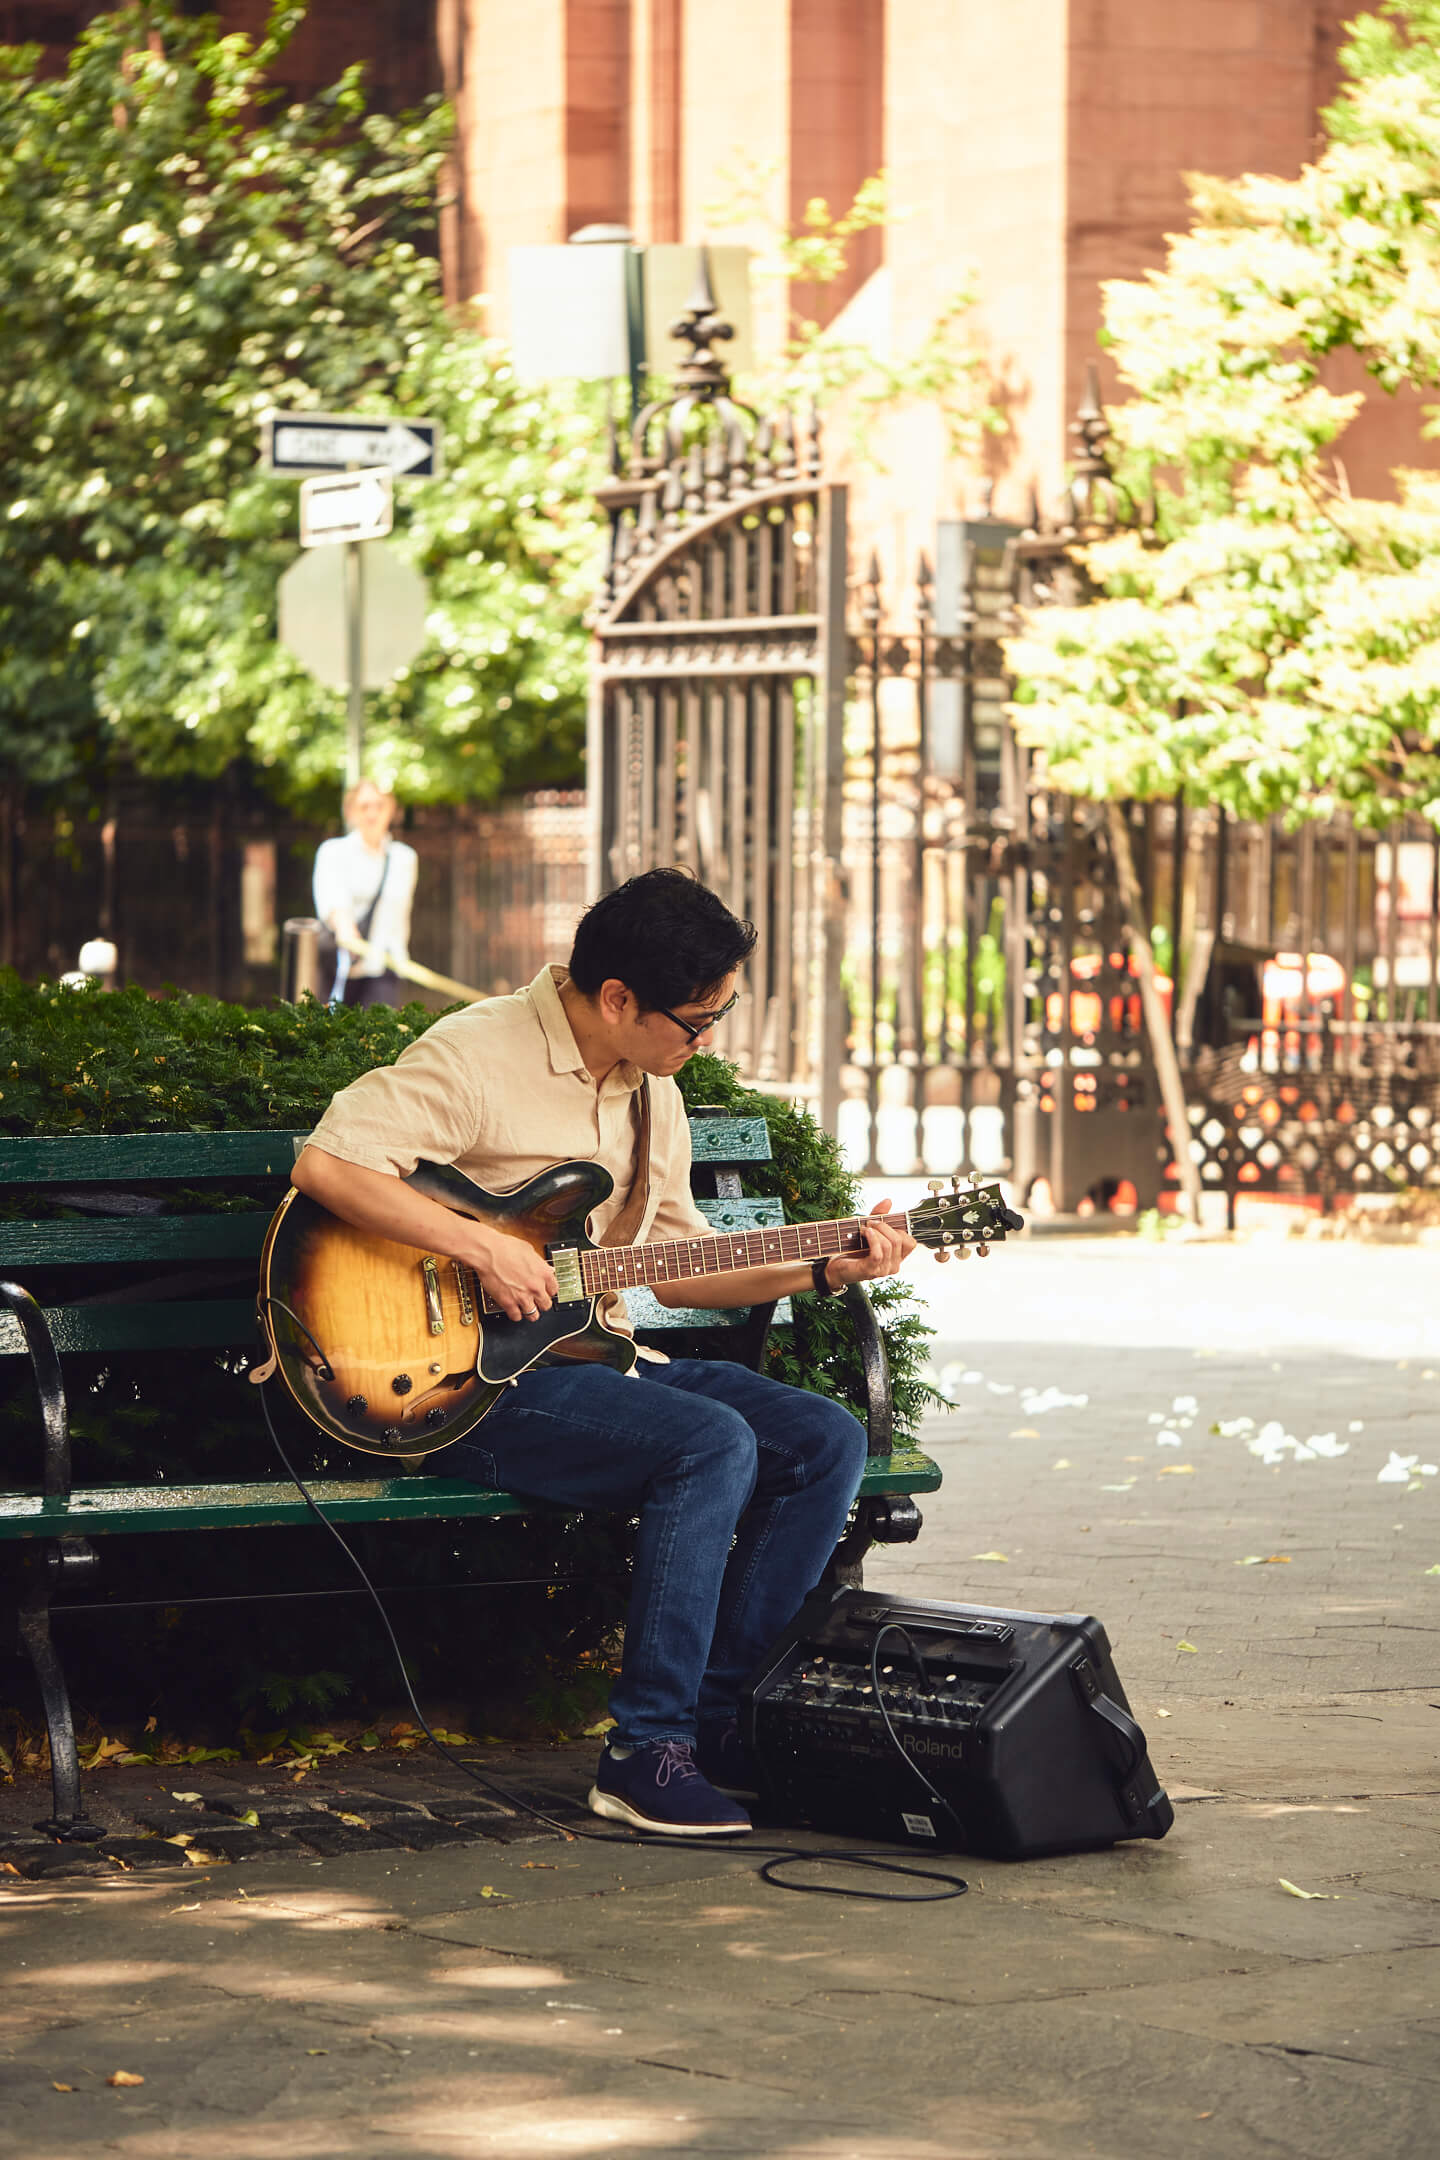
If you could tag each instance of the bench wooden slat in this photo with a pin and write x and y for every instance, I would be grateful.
(729, 1140)
(129, 1158)
(201, 1324)
(95, 1511)
(123, 1238)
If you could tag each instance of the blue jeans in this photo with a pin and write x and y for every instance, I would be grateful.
(742, 1491)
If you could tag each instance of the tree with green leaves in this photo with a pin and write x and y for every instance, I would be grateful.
(1275, 644)
(1272, 643)
(182, 249)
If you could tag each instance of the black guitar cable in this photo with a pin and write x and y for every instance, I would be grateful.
(778, 1855)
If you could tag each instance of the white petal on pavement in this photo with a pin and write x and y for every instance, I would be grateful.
(1325, 1443)
(1168, 1439)
(1397, 1470)
(1038, 1400)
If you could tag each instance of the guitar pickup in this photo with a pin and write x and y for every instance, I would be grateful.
(569, 1282)
(434, 1310)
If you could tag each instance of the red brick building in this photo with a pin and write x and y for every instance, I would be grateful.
(1040, 146)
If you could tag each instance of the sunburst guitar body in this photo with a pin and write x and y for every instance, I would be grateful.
(397, 1351)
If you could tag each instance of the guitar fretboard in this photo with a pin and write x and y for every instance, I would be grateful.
(627, 1267)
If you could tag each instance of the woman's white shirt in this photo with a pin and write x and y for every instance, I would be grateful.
(347, 877)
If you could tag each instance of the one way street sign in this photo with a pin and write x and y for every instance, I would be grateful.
(332, 442)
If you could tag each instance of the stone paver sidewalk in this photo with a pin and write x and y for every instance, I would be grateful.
(512, 1997)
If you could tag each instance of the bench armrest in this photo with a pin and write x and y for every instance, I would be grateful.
(49, 1386)
(875, 1365)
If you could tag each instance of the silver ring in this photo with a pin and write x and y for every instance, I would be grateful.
(532, 1312)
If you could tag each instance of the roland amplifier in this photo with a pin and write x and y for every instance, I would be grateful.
(998, 1733)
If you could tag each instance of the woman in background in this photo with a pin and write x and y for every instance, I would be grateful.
(364, 887)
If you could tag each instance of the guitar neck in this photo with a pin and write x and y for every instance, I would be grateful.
(627, 1267)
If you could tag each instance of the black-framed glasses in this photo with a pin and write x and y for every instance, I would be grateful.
(696, 1028)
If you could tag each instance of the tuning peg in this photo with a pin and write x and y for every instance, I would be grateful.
(942, 1256)
(935, 1185)
(962, 1252)
(983, 1251)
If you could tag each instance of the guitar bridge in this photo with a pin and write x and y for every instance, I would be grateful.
(467, 1303)
(435, 1311)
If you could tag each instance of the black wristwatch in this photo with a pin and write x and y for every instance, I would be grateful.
(823, 1287)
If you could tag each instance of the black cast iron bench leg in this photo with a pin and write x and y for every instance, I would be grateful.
(62, 1559)
(883, 1518)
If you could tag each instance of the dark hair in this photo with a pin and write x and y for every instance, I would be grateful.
(664, 935)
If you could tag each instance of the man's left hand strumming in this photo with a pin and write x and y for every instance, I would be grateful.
(888, 1245)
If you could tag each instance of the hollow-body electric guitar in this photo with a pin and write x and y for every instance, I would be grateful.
(398, 1352)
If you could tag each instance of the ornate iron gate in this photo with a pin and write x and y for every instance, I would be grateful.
(941, 968)
(718, 685)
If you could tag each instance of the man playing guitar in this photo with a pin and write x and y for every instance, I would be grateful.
(743, 1487)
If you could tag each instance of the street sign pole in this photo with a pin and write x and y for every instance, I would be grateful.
(354, 664)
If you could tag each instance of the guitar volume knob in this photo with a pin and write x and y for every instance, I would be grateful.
(402, 1383)
(357, 1405)
(435, 1416)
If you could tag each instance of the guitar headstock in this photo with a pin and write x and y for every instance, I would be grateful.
(960, 1215)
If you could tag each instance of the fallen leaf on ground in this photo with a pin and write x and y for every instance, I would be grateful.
(357, 1822)
(317, 2051)
(124, 2077)
(489, 1890)
(192, 1796)
(249, 1817)
(1162, 1713)
(538, 1863)
(1433, 1570)
(1271, 1559)
(1119, 1488)
(1188, 1646)
(1294, 1890)
(185, 1908)
(1176, 1469)
(991, 1556)
(1024, 1432)
(181, 1837)
(594, 1732)
(1063, 1463)
(56, 2086)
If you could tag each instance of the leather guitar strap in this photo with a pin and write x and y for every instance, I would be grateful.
(622, 1230)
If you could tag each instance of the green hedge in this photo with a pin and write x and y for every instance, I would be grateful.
(90, 1061)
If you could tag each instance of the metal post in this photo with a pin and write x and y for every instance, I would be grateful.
(354, 663)
(829, 867)
(300, 959)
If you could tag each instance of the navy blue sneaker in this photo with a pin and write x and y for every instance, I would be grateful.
(658, 1787)
(723, 1759)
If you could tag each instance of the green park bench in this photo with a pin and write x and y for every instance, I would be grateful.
(115, 1229)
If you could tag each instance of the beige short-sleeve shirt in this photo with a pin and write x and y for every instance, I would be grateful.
(501, 1091)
